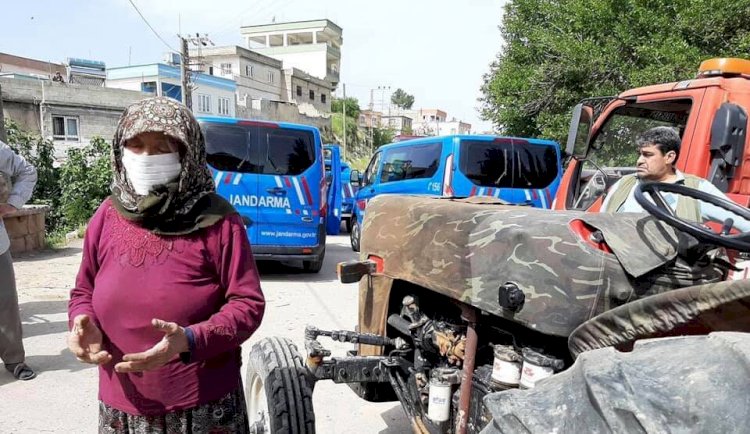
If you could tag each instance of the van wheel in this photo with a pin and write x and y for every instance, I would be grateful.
(349, 225)
(316, 265)
(278, 393)
(354, 236)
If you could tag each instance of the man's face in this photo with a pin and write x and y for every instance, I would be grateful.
(653, 165)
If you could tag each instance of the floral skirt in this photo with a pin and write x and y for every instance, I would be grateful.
(225, 415)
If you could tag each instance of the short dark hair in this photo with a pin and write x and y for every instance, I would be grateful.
(664, 138)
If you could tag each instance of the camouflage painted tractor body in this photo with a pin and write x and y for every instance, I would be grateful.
(473, 251)
(456, 277)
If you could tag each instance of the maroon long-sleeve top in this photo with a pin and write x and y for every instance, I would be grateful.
(206, 281)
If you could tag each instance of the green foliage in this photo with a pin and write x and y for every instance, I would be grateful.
(74, 190)
(352, 106)
(85, 178)
(557, 52)
(382, 136)
(401, 99)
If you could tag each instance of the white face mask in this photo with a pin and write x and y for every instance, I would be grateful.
(148, 171)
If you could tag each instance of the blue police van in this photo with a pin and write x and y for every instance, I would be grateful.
(516, 170)
(273, 174)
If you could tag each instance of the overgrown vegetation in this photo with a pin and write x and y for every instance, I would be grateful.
(557, 52)
(73, 190)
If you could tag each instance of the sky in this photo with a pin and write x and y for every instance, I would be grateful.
(436, 50)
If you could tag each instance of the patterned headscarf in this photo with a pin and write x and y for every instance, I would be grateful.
(163, 115)
(184, 205)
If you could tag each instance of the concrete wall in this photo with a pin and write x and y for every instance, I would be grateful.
(295, 78)
(314, 63)
(284, 112)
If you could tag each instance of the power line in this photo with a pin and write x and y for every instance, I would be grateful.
(149, 26)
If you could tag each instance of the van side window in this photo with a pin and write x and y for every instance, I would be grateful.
(411, 162)
(228, 149)
(372, 168)
(289, 152)
(508, 163)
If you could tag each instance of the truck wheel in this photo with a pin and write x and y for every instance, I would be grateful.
(316, 265)
(354, 236)
(279, 396)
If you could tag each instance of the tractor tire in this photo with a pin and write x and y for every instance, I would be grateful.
(278, 389)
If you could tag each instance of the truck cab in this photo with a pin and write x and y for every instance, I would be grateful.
(709, 112)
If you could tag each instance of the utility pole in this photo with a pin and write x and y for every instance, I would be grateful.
(3, 137)
(198, 41)
(372, 116)
(187, 97)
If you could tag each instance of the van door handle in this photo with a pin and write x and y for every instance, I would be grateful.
(278, 191)
(247, 221)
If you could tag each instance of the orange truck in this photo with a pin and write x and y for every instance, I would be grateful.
(709, 111)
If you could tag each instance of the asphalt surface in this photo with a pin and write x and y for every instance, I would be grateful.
(63, 398)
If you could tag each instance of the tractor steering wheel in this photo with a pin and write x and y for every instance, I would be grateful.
(662, 211)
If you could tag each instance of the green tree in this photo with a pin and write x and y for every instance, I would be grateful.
(382, 136)
(401, 99)
(352, 106)
(557, 52)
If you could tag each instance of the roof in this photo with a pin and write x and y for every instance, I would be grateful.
(25, 62)
(168, 71)
(292, 25)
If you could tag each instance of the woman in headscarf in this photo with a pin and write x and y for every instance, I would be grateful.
(168, 289)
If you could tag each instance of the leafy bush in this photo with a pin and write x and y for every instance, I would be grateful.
(75, 189)
(84, 181)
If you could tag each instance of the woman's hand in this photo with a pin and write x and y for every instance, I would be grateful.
(172, 344)
(85, 341)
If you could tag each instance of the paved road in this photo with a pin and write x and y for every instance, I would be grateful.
(63, 397)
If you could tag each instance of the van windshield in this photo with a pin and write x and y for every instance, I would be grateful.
(258, 149)
(508, 163)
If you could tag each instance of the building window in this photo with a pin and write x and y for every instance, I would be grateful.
(226, 69)
(249, 70)
(299, 90)
(271, 77)
(224, 106)
(65, 128)
(204, 103)
(312, 95)
(323, 98)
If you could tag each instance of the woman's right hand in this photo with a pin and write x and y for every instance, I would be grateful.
(85, 341)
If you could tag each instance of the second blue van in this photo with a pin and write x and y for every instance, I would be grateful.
(516, 170)
(273, 174)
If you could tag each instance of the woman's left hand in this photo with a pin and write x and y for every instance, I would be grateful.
(172, 344)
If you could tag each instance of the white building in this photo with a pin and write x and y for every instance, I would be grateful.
(310, 46)
(399, 124)
(433, 122)
(260, 77)
(210, 95)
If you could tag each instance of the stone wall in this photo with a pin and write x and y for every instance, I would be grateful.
(25, 228)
